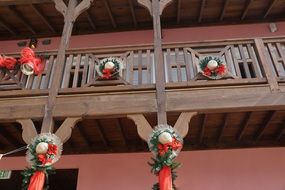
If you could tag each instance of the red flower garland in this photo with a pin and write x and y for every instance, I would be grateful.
(174, 145)
(48, 157)
(7, 62)
(219, 70)
(28, 56)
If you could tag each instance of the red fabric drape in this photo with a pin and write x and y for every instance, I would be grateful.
(37, 181)
(165, 178)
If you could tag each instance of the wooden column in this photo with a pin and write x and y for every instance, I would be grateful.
(70, 14)
(155, 8)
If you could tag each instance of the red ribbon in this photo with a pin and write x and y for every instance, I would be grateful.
(28, 55)
(107, 73)
(37, 181)
(165, 178)
(174, 145)
(7, 62)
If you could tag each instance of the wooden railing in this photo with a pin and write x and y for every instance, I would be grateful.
(241, 57)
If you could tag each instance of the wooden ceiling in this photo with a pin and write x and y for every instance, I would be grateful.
(207, 131)
(39, 18)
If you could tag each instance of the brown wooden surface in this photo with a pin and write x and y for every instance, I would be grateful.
(119, 134)
(121, 15)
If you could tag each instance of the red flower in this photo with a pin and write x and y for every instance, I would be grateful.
(174, 145)
(107, 73)
(42, 158)
(207, 71)
(52, 149)
(10, 62)
(28, 55)
(221, 69)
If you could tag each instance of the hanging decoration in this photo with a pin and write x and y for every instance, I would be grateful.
(110, 68)
(165, 144)
(42, 153)
(28, 63)
(212, 68)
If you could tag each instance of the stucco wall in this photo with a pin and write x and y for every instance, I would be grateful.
(146, 37)
(240, 169)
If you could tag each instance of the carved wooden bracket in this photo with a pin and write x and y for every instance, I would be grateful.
(148, 5)
(83, 6)
(145, 129)
(182, 123)
(65, 130)
(29, 130)
(60, 6)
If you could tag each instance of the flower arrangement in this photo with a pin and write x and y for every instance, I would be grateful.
(110, 68)
(165, 144)
(44, 151)
(29, 63)
(212, 67)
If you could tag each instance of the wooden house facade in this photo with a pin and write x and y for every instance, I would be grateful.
(234, 128)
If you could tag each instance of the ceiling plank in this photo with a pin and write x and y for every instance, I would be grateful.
(20, 17)
(280, 132)
(43, 17)
(84, 135)
(7, 27)
(267, 121)
(269, 8)
(203, 2)
(202, 130)
(131, 5)
(245, 11)
(244, 125)
(9, 138)
(26, 2)
(178, 11)
(102, 134)
(90, 20)
(224, 9)
(106, 3)
(120, 125)
(222, 129)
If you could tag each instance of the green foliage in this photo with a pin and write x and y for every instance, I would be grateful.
(203, 63)
(29, 172)
(116, 67)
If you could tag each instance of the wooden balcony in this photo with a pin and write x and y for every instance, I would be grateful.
(247, 111)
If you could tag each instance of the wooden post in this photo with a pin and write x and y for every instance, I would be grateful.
(70, 14)
(268, 72)
(155, 8)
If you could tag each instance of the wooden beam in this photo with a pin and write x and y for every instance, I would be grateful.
(280, 131)
(222, 128)
(91, 20)
(85, 136)
(29, 130)
(9, 137)
(178, 11)
(43, 17)
(106, 3)
(226, 2)
(21, 18)
(202, 6)
(244, 125)
(266, 122)
(70, 15)
(269, 8)
(261, 53)
(120, 126)
(25, 2)
(159, 65)
(7, 27)
(245, 11)
(102, 134)
(131, 5)
(202, 130)
(143, 127)
(65, 130)
(182, 123)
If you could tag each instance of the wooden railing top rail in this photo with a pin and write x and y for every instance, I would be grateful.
(124, 48)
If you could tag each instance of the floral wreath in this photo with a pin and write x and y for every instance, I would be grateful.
(28, 62)
(110, 67)
(212, 68)
(165, 144)
(44, 150)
